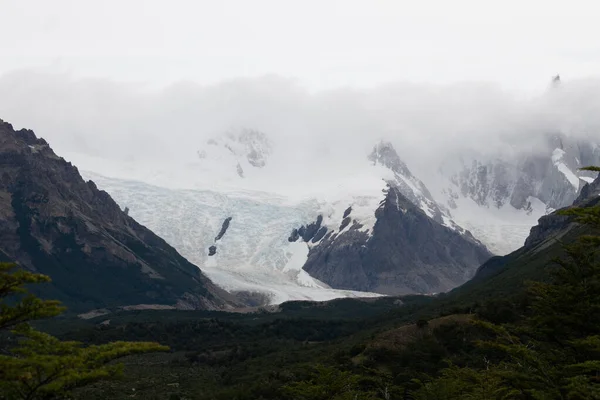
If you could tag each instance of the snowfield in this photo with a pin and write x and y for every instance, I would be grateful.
(254, 254)
(503, 230)
(268, 192)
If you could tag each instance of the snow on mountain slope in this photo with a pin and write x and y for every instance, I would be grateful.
(253, 254)
(235, 226)
(410, 186)
(557, 160)
(503, 229)
(245, 150)
(499, 197)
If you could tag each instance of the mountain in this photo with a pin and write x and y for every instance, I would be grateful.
(246, 149)
(504, 275)
(498, 197)
(55, 223)
(259, 234)
(238, 238)
(412, 247)
(406, 252)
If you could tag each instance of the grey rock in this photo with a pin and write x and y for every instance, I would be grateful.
(53, 222)
(311, 232)
(223, 228)
(345, 223)
(319, 235)
(408, 252)
(347, 212)
(555, 225)
(501, 181)
(589, 192)
(294, 236)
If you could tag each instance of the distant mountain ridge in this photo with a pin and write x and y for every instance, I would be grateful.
(534, 259)
(549, 174)
(406, 252)
(499, 197)
(53, 222)
(296, 220)
(272, 241)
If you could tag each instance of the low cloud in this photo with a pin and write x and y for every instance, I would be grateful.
(426, 123)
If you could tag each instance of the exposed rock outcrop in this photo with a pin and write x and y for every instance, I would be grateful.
(407, 252)
(54, 222)
(223, 228)
(555, 225)
(550, 174)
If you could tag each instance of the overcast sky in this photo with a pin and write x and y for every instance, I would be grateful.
(152, 80)
(321, 43)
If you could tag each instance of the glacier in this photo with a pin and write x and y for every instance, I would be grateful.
(268, 192)
(254, 255)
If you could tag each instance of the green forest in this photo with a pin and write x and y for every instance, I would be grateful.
(529, 330)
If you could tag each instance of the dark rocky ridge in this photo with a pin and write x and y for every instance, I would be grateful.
(384, 154)
(498, 182)
(223, 228)
(544, 236)
(554, 225)
(53, 222)
(212, 250)
(312, 232)
(408, 252)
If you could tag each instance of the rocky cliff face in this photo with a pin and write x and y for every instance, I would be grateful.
(54, 222)
(247, 149)
(555, 225)
(542, 243)
(407, 252)
(550, 175)
(413, 188)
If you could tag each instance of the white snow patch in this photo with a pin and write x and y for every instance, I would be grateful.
(557, 156)
(254, 254)
(502, 230)
(586, 179)
(426, 209)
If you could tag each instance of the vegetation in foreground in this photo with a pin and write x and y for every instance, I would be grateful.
(36, 365)
(539, 343)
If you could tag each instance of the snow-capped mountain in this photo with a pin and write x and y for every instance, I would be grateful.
(405, 251)
(245, 150)
(305, 222)
(239, 239)
(500, 197)
(410, 186)
(236, 215)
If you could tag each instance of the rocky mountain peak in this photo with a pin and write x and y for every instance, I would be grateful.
(383, 153)
(554, 225)
(247, 148)
(589, 192)
(257, 147)
(54, 222)
(407, 252)
(550, 174)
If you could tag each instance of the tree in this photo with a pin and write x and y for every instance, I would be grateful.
(553, 352)
(327, 383)
(35, 365)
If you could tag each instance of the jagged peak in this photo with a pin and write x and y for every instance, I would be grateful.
(385, 154)
(245, 144)
(589, 191)
(75, 227)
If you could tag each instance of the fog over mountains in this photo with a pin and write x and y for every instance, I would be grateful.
(480, 164)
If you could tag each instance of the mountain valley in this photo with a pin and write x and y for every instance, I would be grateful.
(481, 207)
